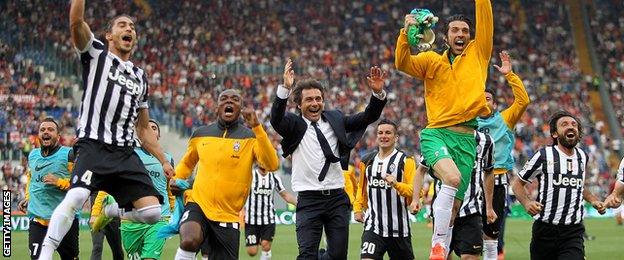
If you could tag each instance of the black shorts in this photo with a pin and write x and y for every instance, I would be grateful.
(550, 241)
(467, 237)
(498, 203)
(113, 169)
(68, 248)
(375, 246)
(221, 240)
(256, 233)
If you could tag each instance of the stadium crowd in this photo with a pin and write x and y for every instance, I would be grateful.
(190, 57)
(608, 24)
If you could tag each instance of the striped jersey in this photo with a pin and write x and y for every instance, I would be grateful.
(620, 172)
(473, 198)
(386, 214)
(114, 90)
(259, 208)
(561, 181)
(501, 179)
(43, 198)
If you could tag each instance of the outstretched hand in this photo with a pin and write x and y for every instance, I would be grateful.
(505, 66)
(289, 74)
(376, 79)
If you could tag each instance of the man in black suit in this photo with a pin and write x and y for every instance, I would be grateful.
(317, 140)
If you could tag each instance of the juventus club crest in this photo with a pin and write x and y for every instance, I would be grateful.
(391, 167)
(236, 146)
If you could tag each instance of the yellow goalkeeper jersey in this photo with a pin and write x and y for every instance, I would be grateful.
(454, 93)
(224, 159)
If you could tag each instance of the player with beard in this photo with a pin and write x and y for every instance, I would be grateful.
(48, 180)
(558, 210)
(454, 97)
(224, 153)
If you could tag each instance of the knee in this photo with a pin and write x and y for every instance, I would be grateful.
(76, 197)
(452, 179)
(252, 250)
(151, 214)
(266, 245)
(188, 243)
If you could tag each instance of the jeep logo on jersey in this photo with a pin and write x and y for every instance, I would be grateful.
(154, 174)
(263, 191)
(379, 183)
(133, 86)
(564, 181)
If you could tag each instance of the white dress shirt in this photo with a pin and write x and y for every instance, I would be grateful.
(308, 158)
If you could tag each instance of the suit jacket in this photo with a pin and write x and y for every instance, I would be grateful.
(348, 129)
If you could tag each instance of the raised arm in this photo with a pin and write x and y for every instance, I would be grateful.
(484, 33)
(80, 31)
(280, 122)
(376, 80)
(512, 114)
(413, 65)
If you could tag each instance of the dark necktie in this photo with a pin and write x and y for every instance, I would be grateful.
(329, 155)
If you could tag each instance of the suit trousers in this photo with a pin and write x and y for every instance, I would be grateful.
(317, 210)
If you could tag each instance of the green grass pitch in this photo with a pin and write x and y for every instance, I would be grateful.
(608, 243)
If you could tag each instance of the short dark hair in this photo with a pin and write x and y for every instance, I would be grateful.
(385, 121)
(306, 84)
(50, 119)
(111, 22)
(492, 92)
(157, 125)
(458, 17)
(558, 115)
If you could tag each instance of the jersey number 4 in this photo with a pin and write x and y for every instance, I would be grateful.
(86, 177)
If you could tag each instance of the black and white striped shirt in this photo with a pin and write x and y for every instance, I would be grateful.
(501, 179)
(473, 198)
(386, 213)
(561, 180)
(114, 90)
(620, 173)
(259, 207)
